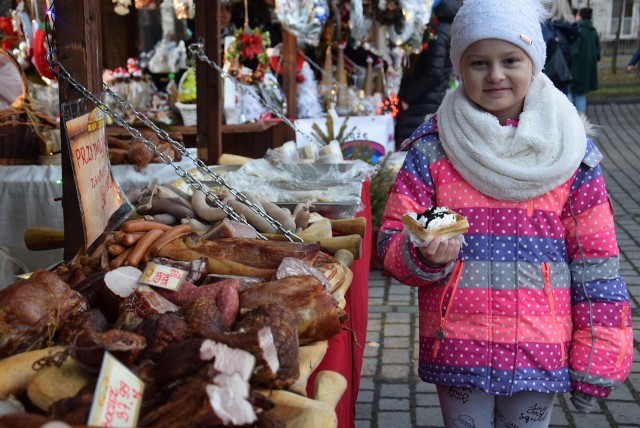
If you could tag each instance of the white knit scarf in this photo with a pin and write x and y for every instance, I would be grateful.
(514, 164)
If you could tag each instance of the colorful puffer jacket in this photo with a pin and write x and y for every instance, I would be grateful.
(534, 301)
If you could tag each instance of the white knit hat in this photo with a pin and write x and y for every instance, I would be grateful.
(514, 21)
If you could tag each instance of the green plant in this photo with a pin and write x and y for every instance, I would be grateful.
(326, 138)
(379, 191)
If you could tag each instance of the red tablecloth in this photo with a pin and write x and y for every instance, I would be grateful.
(345, 351)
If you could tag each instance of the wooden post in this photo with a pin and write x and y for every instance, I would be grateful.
(208, 81)
(289, 82)
(79, 49)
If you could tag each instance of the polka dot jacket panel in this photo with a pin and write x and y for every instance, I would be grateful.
(534, 302)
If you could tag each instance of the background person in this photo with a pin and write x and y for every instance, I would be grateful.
(515, 316)
(561, 24)
(585, 54)
(424, 85)
(633, 62)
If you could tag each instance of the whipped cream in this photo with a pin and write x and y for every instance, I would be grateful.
(434, 218)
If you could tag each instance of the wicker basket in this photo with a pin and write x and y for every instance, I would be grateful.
(21, 127)
(188, 112)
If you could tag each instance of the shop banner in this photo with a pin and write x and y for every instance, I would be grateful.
(103, 204)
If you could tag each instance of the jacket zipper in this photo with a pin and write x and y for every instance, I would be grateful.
(623, 338)
(546, 275)
(530, 208)
(453, 285)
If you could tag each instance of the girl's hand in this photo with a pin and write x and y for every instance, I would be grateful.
(440, 252)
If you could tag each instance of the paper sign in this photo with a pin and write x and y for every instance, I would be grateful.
(100, 196)
(117, 397)
(162, 276)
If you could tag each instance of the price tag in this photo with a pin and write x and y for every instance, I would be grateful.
(162, 276)
(118, 396)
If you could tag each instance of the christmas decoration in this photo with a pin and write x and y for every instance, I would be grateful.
(9, 35)
(184, 9)
(303, 19)
(249, 45)
(368, 78)
(122, 7)
(325, 88)
(307, 95)
(342, 103)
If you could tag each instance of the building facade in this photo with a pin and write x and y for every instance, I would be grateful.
(605, 19)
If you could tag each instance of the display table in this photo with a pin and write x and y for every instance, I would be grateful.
(29, 196)
(346, 350)
(28, 193)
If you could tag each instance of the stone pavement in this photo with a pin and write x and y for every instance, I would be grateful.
(392, 394)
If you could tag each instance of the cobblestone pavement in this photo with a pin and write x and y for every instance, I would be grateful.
(392, 394)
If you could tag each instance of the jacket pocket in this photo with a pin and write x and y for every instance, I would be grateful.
(624, 345)
(451, 286)
(548, 291)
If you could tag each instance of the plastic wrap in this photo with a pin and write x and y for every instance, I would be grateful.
(336, 188)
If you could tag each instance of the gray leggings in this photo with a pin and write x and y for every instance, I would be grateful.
(472, 408)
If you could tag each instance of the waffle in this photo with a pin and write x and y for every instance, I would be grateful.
(460, 227)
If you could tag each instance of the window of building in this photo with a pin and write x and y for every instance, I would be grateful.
(627, 13)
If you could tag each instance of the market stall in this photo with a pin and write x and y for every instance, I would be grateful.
(333, 113)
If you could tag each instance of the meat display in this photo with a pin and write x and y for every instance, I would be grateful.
(317, 313)
(232, 323)
(239, 256)
(32, 310)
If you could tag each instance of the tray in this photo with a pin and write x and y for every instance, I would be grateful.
(331, 210)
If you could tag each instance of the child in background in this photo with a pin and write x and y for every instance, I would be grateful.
(532, 305)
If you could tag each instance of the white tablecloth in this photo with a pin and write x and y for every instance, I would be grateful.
(27, 201)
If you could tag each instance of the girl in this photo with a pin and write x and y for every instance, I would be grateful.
(533, 304)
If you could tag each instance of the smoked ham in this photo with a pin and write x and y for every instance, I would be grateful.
(317, 313)
(32, 310)
(239, 256)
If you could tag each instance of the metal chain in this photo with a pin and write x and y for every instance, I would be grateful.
(197, 49)
(63, 74)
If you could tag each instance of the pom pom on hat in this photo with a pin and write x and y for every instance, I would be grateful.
(514, 21)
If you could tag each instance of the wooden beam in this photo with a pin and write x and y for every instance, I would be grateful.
(289, 82)
(208, 82)
(78, 26)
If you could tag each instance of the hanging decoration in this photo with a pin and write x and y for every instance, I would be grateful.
(167, 56)
(248, 49)
(40, 47)
(303, 19)
(22, 26)
(122, 7)
(145, 4)
(10, 38)
(388, 12)
(184, 9)
(357, 23)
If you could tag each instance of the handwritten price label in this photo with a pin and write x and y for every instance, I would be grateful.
(118, 396)
(162, 276)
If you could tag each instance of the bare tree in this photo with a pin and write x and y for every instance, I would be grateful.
(616, 42)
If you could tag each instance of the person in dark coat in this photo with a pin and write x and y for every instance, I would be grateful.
(585, 54)
(561, 25)
(633, 62)
(424, 86)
